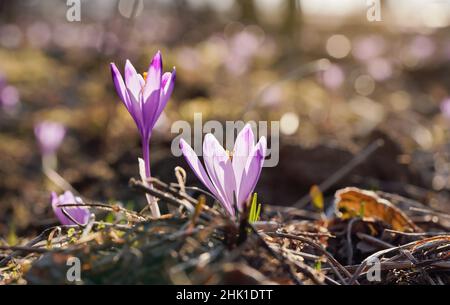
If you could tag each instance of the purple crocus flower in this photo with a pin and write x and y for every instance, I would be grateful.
(49, 135)
(145, 97)
(230, 178)
(78, 213)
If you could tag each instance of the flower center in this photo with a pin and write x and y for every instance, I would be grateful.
(144, 76)
(230, 154)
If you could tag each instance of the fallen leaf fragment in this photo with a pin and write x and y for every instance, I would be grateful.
(353, 202)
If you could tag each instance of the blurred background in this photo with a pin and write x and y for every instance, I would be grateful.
(335, 80)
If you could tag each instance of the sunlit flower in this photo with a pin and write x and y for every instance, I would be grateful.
(49, 136)
(145, 97)
(231, 178)
(77, 214)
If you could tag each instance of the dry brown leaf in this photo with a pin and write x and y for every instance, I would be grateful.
(352, 202)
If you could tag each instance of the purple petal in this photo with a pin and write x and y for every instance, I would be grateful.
(243, 146)
(141, 80)
(154, 73)
(165, 77)
(80, 213)
(119, 84)
(220, 170)
(135, 110)
(149, 111)
(252, 171)
(58, 212)
(167, 85)
(132, 81)
(197, 167)
(126, 95)
(224, 171)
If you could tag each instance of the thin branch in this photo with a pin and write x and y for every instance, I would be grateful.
(318, 247)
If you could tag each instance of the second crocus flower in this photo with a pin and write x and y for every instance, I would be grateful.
(230, 177)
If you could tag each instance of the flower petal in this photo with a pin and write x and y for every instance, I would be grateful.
(154, 73)
(197, 167)
(141, 80)
(149, 111)
(252, 171)
(58, 212)
(220, 170)
(135, 110)
(167, 84)
(245, 142)
(119, 84)
(79, 213)
(132, 80)
(224, 171)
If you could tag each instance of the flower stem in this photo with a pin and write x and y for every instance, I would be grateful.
(146, 157)
(49, 163)
(152, 203)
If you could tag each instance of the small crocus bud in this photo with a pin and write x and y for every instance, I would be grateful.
(77, 214)
(49, 136)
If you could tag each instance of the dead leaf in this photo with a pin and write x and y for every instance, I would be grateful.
(353, 202)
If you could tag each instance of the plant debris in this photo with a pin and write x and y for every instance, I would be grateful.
(195, 247)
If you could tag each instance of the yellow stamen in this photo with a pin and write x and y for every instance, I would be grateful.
(144, 76)
(230, 154)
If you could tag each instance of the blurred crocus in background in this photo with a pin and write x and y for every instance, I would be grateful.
(145, 97)
(368, 47)
(78, 215)
(50, 136)
(421, 47)
(231, 178)
(445, 108)
(333, 77)
(9, 97)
